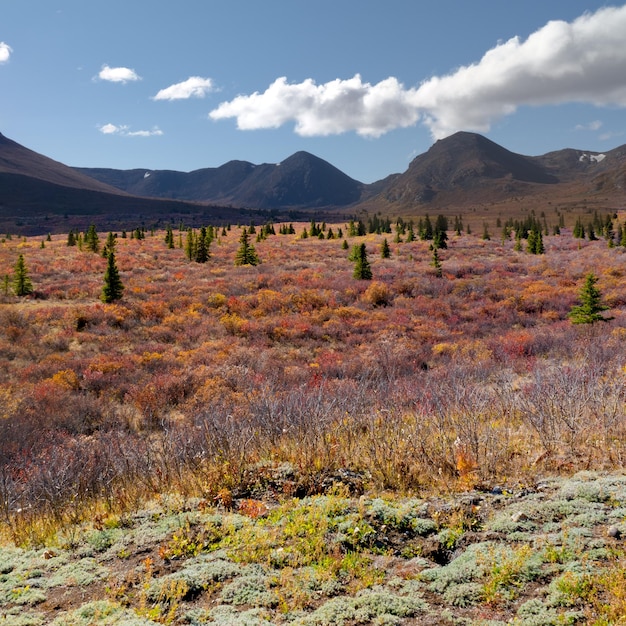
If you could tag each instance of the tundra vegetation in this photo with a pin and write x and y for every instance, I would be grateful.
(257, 435)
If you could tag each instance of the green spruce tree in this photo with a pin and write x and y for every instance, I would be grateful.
(109, 245)
(590, 308)
(202, 247)
(362, 269)
(436, 262)
(246, 254)
(169, 237)
(113, 287)
(190, 244)
(91, 241)
(22, 285)
(385, 251)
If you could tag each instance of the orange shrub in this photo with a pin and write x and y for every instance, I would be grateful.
(377, 294)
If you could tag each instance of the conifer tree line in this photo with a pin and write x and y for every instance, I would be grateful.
(598, 227)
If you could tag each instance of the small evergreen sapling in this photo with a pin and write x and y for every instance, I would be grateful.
(202, 247)
(113, 287)
(362, 269)
(591, 307)
(246, 255)
(436, 262)
(22, 285)
(91, 240)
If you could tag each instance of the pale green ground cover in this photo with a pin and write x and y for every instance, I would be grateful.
(527, 557)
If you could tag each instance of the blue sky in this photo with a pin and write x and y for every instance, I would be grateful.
(366, 85)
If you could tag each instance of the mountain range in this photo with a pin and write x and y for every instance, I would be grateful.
(463, 171)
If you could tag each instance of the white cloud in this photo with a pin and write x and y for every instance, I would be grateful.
(124, 130)
(610, 135)
(193, 87)
(118, 74)
(595, 125)
(582, 61)
(331, 108)
(5, 52)
(155, 132)
(112, 129)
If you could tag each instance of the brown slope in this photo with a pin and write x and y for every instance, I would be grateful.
(16, 159)
(39, 195)
(462, 164)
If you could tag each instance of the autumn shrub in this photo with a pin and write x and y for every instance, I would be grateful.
(377, 294)
(202, 371)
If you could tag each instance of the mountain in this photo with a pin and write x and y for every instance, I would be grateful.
(467, 164)
(39, 195)
(461, 173)
(16, 161)
(467, 169)
(301, 181)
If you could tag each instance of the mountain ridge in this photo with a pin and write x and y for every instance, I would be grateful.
(460, 171)
(40, 195)
(301, 180)
(462, 168)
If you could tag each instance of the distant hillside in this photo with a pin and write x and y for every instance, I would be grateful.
(20, 161)
(39, 195)
(464, 172)
(301, 181)
(468, 170)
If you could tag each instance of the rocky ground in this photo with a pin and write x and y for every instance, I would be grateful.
(547, 553)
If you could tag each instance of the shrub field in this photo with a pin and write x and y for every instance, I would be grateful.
(295, 442)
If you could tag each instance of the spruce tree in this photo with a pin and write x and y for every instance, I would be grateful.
(202, 247)
(22, 285)
(71, 238)
(362, 269)
(591, 307)
(440, 233)
(246, 255)
(109, 245)
(190, 244)
(591, 232)
(169, 237)
(113, 287)
(91, 239)
(486, 235)
(385, 251)
(579, 229)
(436, 262)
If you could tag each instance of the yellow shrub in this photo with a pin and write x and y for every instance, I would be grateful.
(66, 379)
(377, 294)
